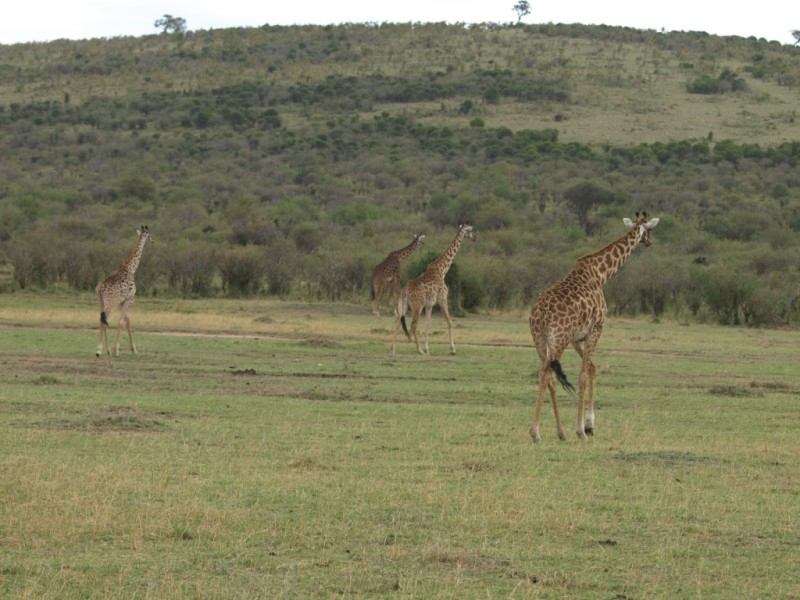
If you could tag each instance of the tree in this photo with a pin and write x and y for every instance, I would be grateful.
(522, 8)
(796, 35)
(583, 196)
(170, 24)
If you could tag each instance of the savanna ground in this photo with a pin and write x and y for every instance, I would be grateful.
(263, 449)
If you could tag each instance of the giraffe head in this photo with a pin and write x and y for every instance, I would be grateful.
(419, 238)
(466, 231)
(643, 227)
(144, 233)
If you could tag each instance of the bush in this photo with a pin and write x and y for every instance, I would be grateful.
(242, 270)
(728, 293)
(190, 267)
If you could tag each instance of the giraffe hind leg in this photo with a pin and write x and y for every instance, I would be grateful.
(123, 320)
(551, 385)
(589, 421)
(415, 313)
(428, 311)
(585, 425)
(546, 382)
(103, 341)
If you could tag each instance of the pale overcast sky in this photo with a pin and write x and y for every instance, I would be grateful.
(44, 20)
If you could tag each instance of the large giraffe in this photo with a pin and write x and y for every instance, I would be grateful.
(428, 290)
(572, 311)
(118, 290)
(388, 272)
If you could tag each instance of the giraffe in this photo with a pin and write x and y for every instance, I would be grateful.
(388, 272)
(572, 311)
(118, 290)
(428, 290)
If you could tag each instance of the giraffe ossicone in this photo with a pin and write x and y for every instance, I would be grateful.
(118, 291)
(428, 290)
(573, 311)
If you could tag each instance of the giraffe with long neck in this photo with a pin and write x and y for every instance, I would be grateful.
(388, 273)
(428, 290)
(573, 311)
(117, 291)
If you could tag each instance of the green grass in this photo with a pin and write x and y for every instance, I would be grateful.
(267, 449)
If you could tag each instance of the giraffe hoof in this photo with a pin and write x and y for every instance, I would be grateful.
(562, 436)
(535, 437)
(589, 431)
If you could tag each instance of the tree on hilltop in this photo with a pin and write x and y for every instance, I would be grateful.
(170, 24)
(522, 8)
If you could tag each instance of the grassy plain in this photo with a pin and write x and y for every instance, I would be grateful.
(260, 449)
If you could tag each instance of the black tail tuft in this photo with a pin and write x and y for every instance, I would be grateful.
(103, 318)
(561, 376)
(405, 329)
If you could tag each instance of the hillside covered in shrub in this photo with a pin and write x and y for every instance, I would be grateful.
(290, 160)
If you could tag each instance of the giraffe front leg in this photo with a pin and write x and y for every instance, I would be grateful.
(589, 422)
(446, 312)
(130, 334)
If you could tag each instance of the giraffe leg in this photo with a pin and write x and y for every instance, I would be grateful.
(130, 334)
(443, 306)
(399, 314)
(116, 338)
(428, 313)
(546, 383)
(589, 422)
(394, 295)
(580, 426)
(585, 349)
(551, 385)
(123, 313)
(396, 331)
(416, 312)
(103, 341)
(377, 290)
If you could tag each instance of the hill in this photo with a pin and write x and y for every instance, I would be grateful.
(289, 160)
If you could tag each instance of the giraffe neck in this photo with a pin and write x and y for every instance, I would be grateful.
(442, 264)
(608, 260)
(404, 253)
(131, 263)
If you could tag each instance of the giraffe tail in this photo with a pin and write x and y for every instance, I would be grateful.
(405, 329)
(402, 307)
(103, 318)
(561, 376)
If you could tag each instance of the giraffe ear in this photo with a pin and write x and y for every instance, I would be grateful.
(651, 223)
(628, 222)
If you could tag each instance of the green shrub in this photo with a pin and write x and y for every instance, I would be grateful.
(242, 269)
